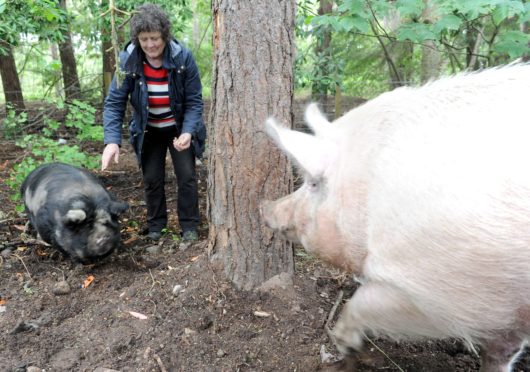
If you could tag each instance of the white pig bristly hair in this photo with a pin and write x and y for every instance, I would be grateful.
(312, 154)
(75, 216)
(317, 121)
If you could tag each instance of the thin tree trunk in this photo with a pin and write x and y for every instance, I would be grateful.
(524, 28)
(252, 80)
(10, 79)
(431, 61)
(395, 53)
(431, 58)
(321, 86)
(196, 31)
(72, 87)
(108, 65)
(473, 41)
(55, 55)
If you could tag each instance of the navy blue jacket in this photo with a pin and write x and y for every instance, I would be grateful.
(185, 96)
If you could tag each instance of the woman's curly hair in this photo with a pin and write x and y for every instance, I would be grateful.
(150, 18)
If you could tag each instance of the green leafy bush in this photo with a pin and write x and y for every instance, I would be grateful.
(47, 146)
(13, 123)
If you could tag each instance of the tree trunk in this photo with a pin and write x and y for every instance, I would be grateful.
(525, 28)
(321, 85)
(431, 61)
(398, 55)
(431, 58)
(196, 26)
(54, 51)
(402, 53)
(252, 80)
(473, 41)
(10, 80)
(108, 64)
(72, 87)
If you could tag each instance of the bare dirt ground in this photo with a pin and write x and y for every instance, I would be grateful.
(165, 308)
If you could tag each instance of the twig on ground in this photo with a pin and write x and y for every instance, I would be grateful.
(384, 354)
(159, 362)
(333, 311)
(154, 310)
(21, 260)
(155, 357)
(26, 241)
(154, 282)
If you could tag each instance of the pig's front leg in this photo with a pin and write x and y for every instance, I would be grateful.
(500, 353)
(378, 307)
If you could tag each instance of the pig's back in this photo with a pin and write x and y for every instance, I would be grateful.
(56, 183)
(448, 168)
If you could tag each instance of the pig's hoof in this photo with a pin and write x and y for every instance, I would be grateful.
(347, 340)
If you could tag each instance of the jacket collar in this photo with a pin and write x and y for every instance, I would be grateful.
(131, 58)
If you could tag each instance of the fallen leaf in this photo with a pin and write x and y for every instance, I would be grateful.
(130, 240)
(2, 302)
(88, 281)
(261, 314)
(193, 259)
(40, 252)
(138, 315)
(20, 227)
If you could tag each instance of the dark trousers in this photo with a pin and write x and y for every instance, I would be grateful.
(156, 143)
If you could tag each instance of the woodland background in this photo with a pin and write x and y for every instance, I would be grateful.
(257, 58)
(57, 59)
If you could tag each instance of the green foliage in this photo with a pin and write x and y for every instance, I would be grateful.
(48, 146)
(513, 43)
(82, 117)
(13, 123)
(366, 35)
(39, 17)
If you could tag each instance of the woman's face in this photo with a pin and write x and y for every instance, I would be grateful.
(152, 44)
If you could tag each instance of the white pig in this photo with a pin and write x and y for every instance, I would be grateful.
(423, 193)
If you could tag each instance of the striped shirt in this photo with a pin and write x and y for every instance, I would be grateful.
(160, 115)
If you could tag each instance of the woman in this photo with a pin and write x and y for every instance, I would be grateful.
(162, 83)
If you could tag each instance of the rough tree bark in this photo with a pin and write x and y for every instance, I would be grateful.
(108, 64)
(72, 87)
(10, 79)
(252, 80)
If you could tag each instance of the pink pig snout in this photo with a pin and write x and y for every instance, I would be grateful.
(278, 216)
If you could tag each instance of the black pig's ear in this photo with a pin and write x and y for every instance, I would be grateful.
(117, 208)
(74, 216)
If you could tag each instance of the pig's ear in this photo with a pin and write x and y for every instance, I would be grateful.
(311, 153)
(118, 207)
(74, 216)
(317, 121)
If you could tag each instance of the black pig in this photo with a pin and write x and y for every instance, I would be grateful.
(71, 210)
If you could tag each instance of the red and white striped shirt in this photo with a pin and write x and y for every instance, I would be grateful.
(160, 115)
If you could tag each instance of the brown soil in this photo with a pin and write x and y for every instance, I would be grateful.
(206, 326)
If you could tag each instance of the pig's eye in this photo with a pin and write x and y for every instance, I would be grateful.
(313, 184)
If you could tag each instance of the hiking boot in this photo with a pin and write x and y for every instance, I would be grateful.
(154, 236)
(190, 236)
